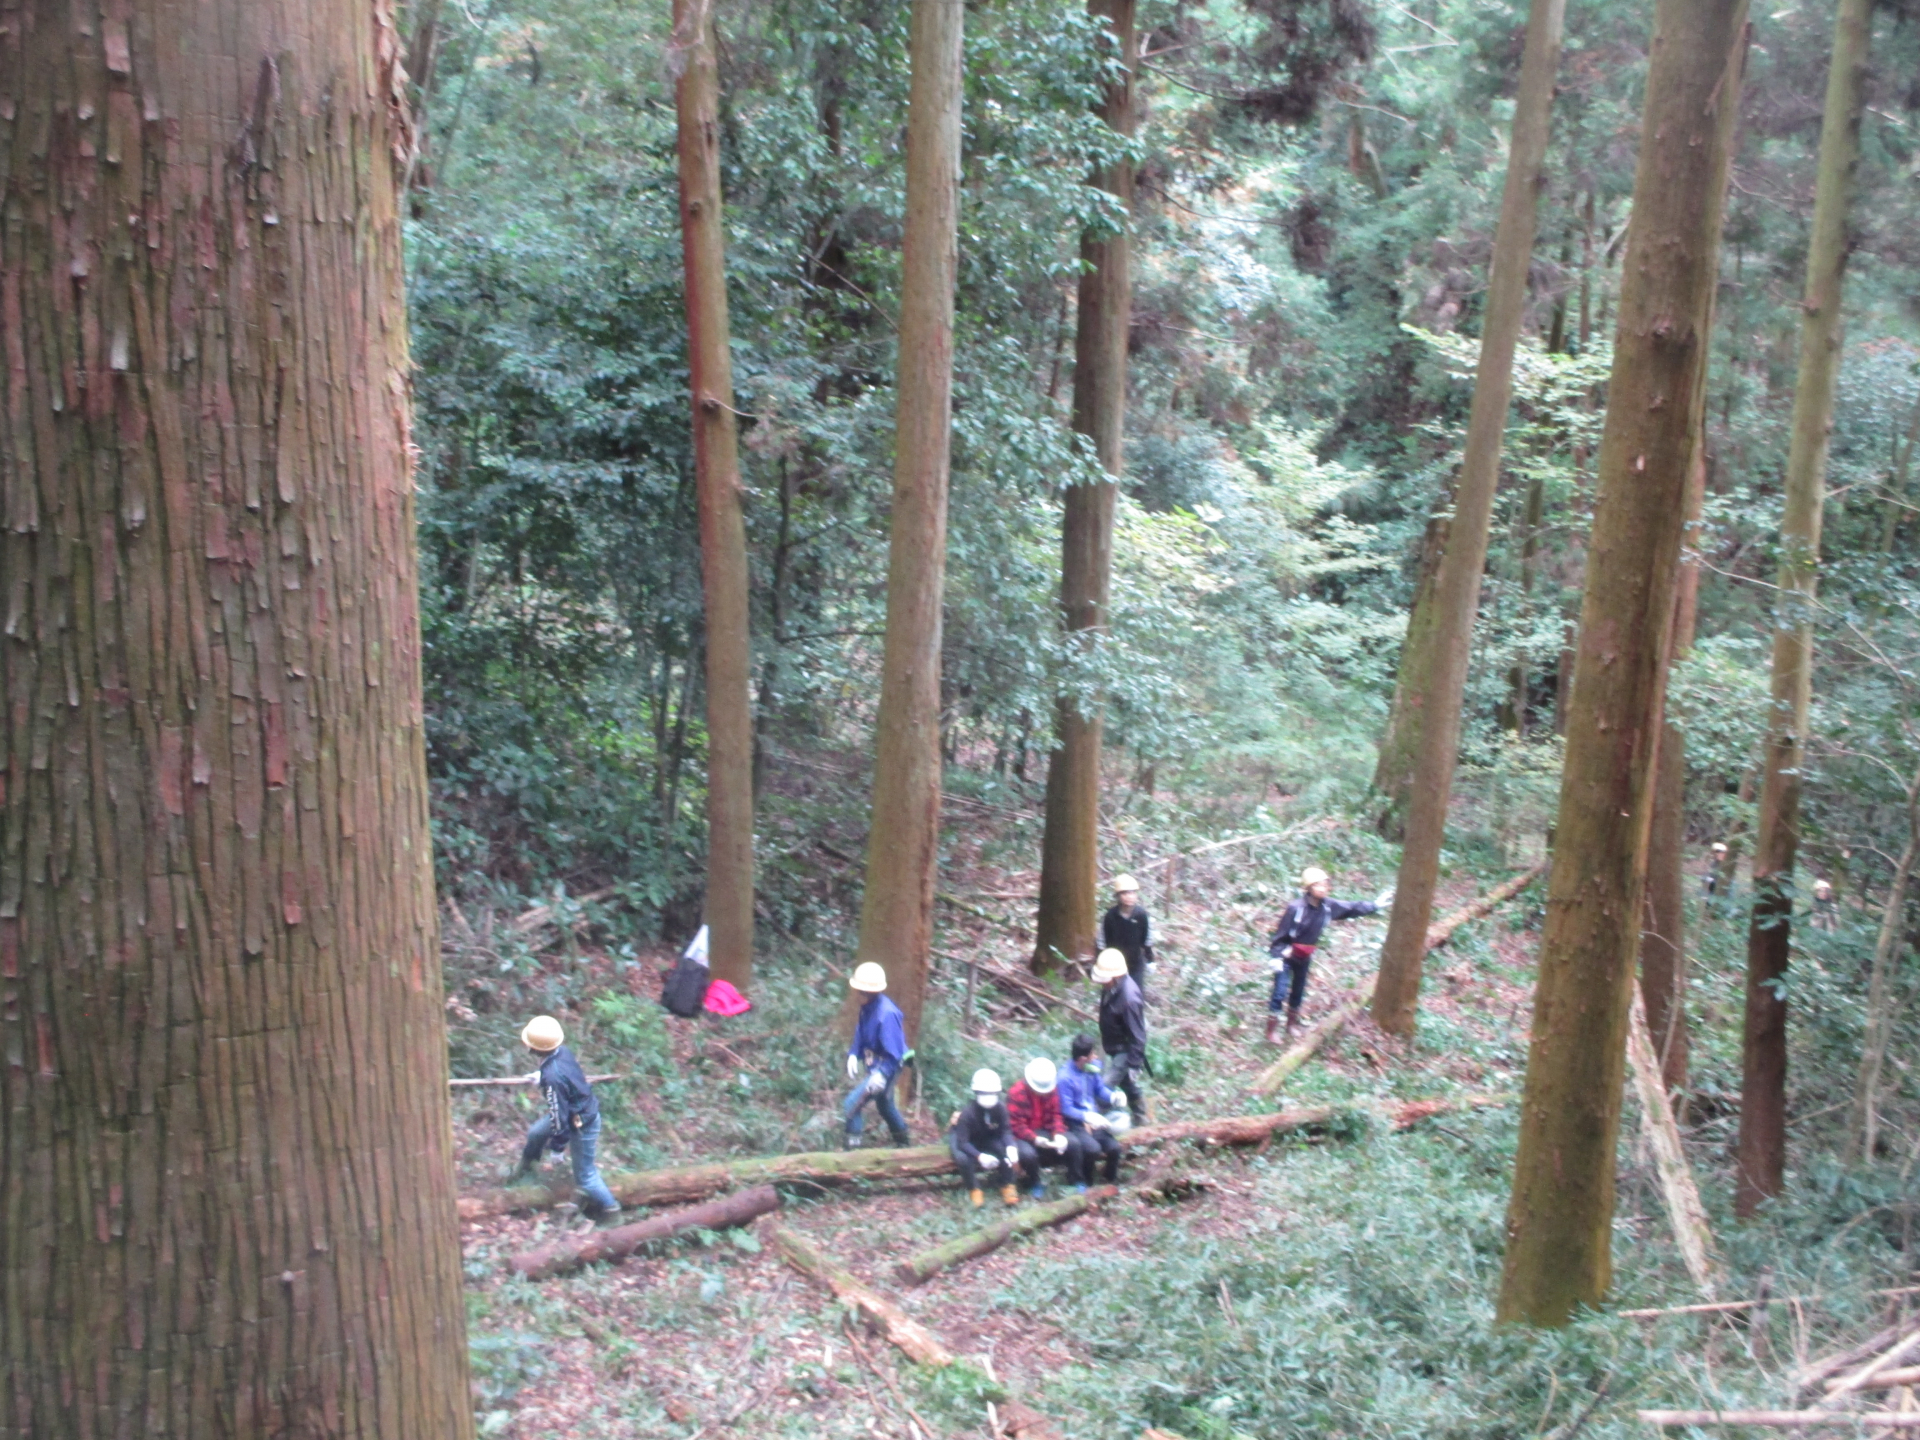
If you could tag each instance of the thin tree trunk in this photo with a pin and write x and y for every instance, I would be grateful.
(1519, 681)
(723, 535)
(1663, 951)
(903, 846)
(1762, 1147)
(1896, 508)
(1560, 1218)
(1070, 843)
(1457, 590)
(1400, 743)
(1873, 1050)
(226, 1180)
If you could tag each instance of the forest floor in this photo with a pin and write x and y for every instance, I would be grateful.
(1267, 1293)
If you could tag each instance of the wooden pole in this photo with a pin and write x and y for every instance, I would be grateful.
(561, 1257)
(922, 1267)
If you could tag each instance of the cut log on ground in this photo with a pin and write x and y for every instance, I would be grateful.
(561, 1257)
(1412, 1112)
(529, 921)
(684, 1184)
(1785, 1419)
(920, 1268)
(521, 1080)
(1684, 1210)
(1832, 1365)
(1275, 1075)
(901, 1331)
(1874, 1368)
(1441, 931)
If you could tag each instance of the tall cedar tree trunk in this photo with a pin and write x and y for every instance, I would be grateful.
(1762, 1148)
(1069, 850)
(1663, 951)
(903, 844)
(226, 1180)
(723, 535)
(1400, 743)
(1396, 993)
(1560, 1219)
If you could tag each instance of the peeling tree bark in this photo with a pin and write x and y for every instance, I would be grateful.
(1396, 994)
(1762, 1148)
(1070, 844)
(903, 846)
(1560, 1218)
(723, 535)
(226, 1190)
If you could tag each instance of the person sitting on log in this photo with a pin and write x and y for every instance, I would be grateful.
(1123, 1030)
(1084, 1102)
(1126, 927)
(874, 1058)
(982, 1142)
(572, 1121)
(1039, 1132)
(1298, 936)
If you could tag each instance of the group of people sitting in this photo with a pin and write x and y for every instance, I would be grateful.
(1052, 1118)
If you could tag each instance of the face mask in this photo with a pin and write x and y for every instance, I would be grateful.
(1085, 1062)
(986, 1102)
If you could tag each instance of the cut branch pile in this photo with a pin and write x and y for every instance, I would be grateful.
(560, 1257)
(920, 1268)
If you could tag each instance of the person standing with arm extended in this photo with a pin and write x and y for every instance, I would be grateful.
(1127, 928)
(1123, 1030)
(1084, 1102)
(1298, 936)
(572, 1121)
(874, 1058)
(981, 1141)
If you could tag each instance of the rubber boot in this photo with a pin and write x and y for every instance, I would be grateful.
(1009, 1195)
(901, 1139)
(1273, 1029)
(1293, 1021)
(978, 1197)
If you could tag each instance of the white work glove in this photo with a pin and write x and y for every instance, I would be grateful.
(853, 1067)
(532, 1077)
(989, 1162)
(1013, 1157)
(1060, 1144)
(1383, 899)
(1094, 1120)
(876, 1082)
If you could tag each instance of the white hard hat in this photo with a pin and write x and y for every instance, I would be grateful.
(1312, 875)
(869, 977)
(1040, 1075)
(543, 1033)
(986, 1082)
(1109, 965)
(1123, 883)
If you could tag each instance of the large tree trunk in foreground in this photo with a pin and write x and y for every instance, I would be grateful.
(1762, 1149)
(903, 843)
(1396, 993)
(1400, 742)
(1560, 1219)
(226, 1189)
(1663, 951)
(723, 535)
(1873, 1049)
(1070, 844)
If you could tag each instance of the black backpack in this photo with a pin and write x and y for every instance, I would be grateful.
(685, 987)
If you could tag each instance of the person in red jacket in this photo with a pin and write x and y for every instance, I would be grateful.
(1039, 1133)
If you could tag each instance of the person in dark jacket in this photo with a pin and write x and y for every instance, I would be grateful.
(1084, 1102)
(1297, 937)
(1039, 1132)
(874, 1058)
(982, 1141)
(1126, 928)
(1123, 1030)
(572, 1121)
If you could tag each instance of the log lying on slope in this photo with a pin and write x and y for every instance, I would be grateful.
(1441, 931)
(1684, 1210)
(901, 1330)
(560, 1257)
(684, 1184)
(920, 1268)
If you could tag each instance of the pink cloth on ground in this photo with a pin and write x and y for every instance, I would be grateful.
(723, 999)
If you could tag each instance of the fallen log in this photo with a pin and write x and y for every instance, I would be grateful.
(1684, 1210)
(684, 1184)
(522, 1080)
(1874, 1368)
(1893, 1379)
(561, 1257)
(1412, 1112)
(1832, 1365)
(901, 1330)
(529, 921)
(1271, 1078)
(1441, 931)
(920, 1268)
(1784, 1419)
(1719, 1307)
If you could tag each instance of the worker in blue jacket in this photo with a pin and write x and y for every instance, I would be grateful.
(1298, 936)
(874, 1059)
(572, 1121)
(1084, 1102)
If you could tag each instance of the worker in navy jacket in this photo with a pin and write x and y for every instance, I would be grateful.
(1126, 927)
(1298, 936)
(1123, 1030)
(874, 1058)
(572, 1121)
(1084, 1102)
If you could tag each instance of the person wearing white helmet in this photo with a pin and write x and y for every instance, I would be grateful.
(981, 1142)
(1123, 1030)
(1039, 1130)
(874, 1058)
(1126, 927)
(572, 1121)
(1296, 938)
